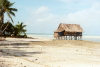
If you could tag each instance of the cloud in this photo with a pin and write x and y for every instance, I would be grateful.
(79, 1)
(43, 15)
(42, 20)
(69, 1)
(42, 9)
(89, 19)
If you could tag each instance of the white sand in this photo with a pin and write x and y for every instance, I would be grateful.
(52, 54)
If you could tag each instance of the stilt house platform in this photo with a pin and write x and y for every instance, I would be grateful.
(68, 32)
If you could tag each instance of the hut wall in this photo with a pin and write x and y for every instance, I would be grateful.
(56, 34)
(61, 33)
(73, 33)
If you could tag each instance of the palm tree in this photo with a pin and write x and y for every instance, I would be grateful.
(20, 29)
(6, 7)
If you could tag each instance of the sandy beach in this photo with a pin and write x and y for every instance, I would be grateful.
(16, 52)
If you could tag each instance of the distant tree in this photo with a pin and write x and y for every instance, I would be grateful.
(20, 29)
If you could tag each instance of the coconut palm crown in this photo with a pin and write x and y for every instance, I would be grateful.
(6, 7)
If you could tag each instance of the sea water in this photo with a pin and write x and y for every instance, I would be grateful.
(91, 38)
(50, 36)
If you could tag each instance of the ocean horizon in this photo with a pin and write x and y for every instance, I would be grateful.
(94, 38)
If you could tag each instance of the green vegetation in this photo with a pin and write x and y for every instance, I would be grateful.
(17, 30)
(6, 7)
(8, 28)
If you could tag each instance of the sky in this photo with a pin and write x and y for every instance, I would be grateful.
(44, 16)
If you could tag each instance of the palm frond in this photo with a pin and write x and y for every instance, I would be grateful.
(12, 13)
(11, 4)
(13, 9)
(10, 17)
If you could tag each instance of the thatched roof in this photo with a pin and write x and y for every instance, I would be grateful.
(69, 28)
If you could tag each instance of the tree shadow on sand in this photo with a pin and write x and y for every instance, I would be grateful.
(12, 43)
(18, 53)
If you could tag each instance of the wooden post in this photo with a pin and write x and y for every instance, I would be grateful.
(77, 37)
(72, 37)
(66, 37)
(80, 37)
(69, 38)
(61, 38)
(58, 38)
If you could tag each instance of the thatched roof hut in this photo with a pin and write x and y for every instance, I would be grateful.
(68, 30)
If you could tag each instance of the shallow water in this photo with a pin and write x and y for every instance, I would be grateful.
(50, 36)
(92, 38)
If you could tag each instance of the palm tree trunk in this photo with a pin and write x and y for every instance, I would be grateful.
(1, 16)
(2, 20)
(5, 28)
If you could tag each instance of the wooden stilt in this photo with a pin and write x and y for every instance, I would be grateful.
(66, 37)
(58, 38)
(77, 38)
(71, 38)
(80, 37)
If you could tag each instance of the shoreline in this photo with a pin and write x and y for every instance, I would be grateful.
(50, 37)
(30, 39)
